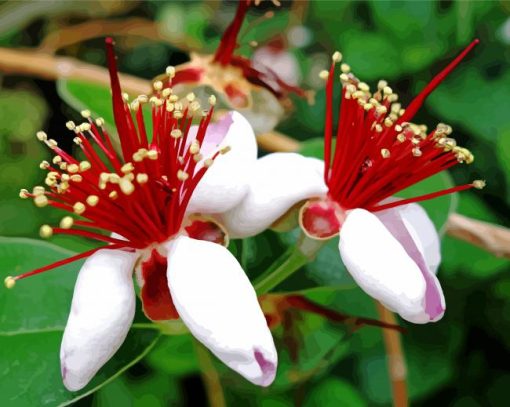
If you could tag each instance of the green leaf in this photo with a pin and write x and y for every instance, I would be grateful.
(334, 392)
(174, 355)
(32, 321)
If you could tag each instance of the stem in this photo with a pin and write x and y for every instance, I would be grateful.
(294, 260)
(287, 264)
(396, 362)
(209, 376)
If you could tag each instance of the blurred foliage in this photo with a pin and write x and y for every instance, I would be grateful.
(457, 361)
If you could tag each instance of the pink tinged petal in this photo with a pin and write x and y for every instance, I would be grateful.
(218, 304)
(224, 184)
(401, 223)
(381, 266)
(278, 182)
(278, 60)
(102, 311)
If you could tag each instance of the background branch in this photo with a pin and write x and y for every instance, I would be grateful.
(397, 370)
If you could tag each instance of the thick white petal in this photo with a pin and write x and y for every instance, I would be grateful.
(225, 182)
(278, 181)
(102, 311)
(424, 233)
(218, 304)
(380, 265)
(411, 226)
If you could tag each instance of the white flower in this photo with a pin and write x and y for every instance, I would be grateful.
(142, 198)
(389, 246)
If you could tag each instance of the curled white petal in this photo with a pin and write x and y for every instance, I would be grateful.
(218, 304)
(224, 183)
(277, 182)
(380, 264)
(411, 226)
(102, 311)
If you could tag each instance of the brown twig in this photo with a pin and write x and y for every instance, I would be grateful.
(396, 362)
(41, 65)
(304, 304)
(135, 27)
(492, 238)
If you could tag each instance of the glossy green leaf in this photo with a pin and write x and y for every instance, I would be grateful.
(334, 392)
(32, 321)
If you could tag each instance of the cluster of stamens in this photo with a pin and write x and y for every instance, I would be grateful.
(378, 150)
(140, 195)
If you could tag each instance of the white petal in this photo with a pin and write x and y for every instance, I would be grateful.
(423, 233)
(224, 183)
(380, 265)
(280, 61)
(218, 304)
(102, 311)
(414, 241)
(278, 181)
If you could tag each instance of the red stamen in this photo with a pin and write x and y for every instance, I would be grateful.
(417, 102)
(228, 42)
(65, 261)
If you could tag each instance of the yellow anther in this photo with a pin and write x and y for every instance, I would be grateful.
(166, 92)
(142, 178)
(128, 167)
(363, 87)
(76, 178)
(385, 153)
(479, 184)
(126, 186)
(152, 154)
(70, 125)
(178, 114)
(99, 122)
(113, 195)
(387, 91)
(46, 231)
(182, 175)
(85, 114)
(125, 97)
(388, 122)
(135, 105)
(78, 141)
(85, 126)
(57, 159)
(382, 84)
(38, 190)
(65, 177)
(23, 194)
(176, 133)
(92, 200)
(324, 74)
(336, 57)
(345, 68)
(417, 152)
(225, 150)
(190, 97)
(66, 222)
(194, 106)
(173, 98)
(170, 71)
(73, 168)
(40, 201)
(158, 85)
(41, 136)
(79, 208)
(194, 148)
(51, 143)
(197, 157)
(9, 282)
(208, 162)
(84, 166)
(212, 100)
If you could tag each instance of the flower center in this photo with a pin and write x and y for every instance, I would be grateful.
(321, 218)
